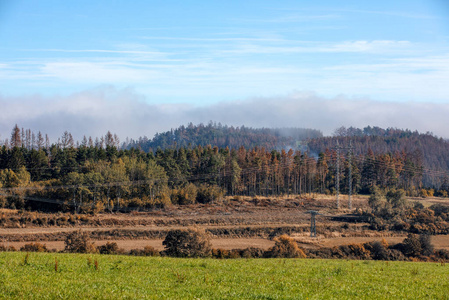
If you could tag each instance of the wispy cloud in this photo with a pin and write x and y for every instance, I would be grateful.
(292, 47)
(194, 39)
(94, 112)
(243, 67)
(291, 18)
(402, 14)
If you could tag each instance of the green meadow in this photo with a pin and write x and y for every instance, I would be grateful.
(84, 276)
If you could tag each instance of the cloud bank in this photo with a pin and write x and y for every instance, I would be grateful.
(128, 114)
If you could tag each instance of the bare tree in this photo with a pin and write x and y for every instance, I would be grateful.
(67, 140)
(109, 139)
(40, 141)
(16, 140)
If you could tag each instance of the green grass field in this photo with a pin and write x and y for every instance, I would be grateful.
(126, 277)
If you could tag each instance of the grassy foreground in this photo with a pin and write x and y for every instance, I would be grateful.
(119, 277)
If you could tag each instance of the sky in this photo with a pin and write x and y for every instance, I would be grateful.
(140, 67)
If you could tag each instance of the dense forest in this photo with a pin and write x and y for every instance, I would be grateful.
(223, 136)
(430, 152)
(101, 176)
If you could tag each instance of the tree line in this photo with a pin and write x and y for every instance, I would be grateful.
(101, 176)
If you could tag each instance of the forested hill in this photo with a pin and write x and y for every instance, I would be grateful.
(431, 150)
(225, 136)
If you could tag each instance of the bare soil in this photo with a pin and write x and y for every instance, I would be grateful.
(240, 223)
(127, 245)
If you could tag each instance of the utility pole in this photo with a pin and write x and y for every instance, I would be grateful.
(313, 213)
(350, 175)
(337, 176)
(337, 183)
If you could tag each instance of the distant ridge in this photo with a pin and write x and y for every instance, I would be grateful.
(432, 151)
(224, 136)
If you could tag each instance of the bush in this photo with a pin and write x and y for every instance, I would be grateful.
(394, 254)
(411, 246)
(252, 252)
(351, 251)
(220, 253)
(187, 243)
(378, 250)
(34, 247)
(396, 198)
(79, 242)
(358, 251)
(185, 195)
(441, 193)
(146, 251)
(426, 245)
(7, 248)
(286, 247)
(109, 248)
(442, 254)
(209, 193)
(416, 246)
(376, 199)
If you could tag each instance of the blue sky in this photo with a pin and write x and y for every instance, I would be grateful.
(183, 56)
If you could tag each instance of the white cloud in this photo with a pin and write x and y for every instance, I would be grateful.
(94, 112)
(382, 46)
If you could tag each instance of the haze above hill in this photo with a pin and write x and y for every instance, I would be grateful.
(126, 113)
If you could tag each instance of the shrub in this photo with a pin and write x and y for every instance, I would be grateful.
(378, 250)
(376, 199)
(396, 198)
(352, 251)
(423, 193)
(418, 205)
(416, 246)
(411, 246)
(358, 251)
(441, 193)
(220, 253)
(34, 247)
(442, 254)
(252, 252)
(79, 242)
(62, 220)
(394, 254)
(7, 248)
(287, 247)
(209, 193)
(109, 248)
(185, 195)
(426, 245)
(146, 251)
(187, 243)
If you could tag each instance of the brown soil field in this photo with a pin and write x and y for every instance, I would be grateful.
(240, 223)
(439, 241)
(127, 245)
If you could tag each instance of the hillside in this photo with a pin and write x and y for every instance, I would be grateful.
(428, 150)
(224, 136)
